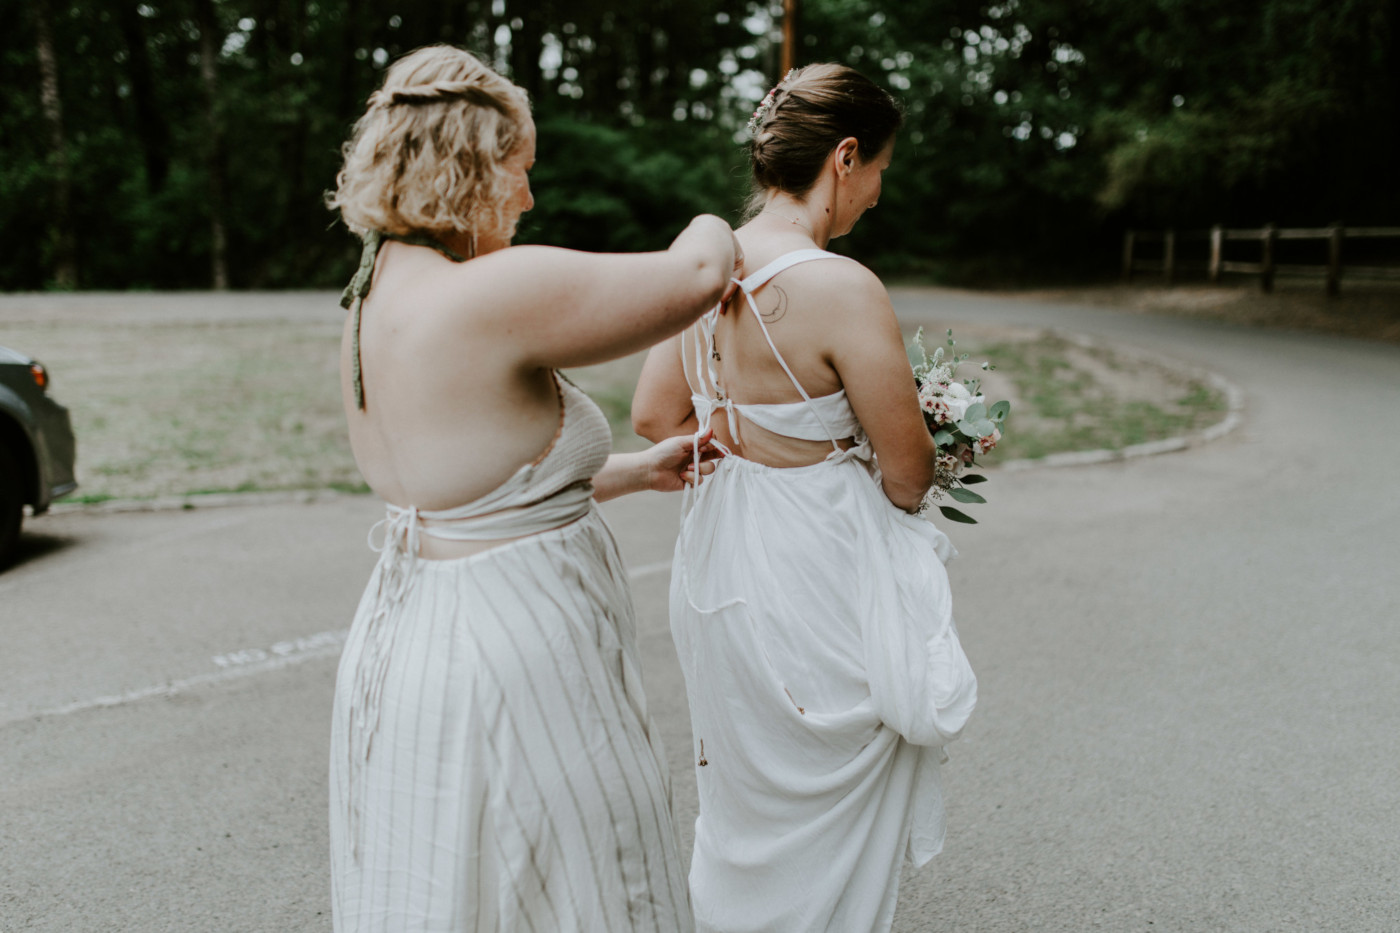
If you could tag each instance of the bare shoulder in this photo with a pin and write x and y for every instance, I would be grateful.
(522, 271)
(509, 285)
(839, 286)
(853, 279)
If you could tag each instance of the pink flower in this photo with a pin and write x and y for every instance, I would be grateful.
(986, 444)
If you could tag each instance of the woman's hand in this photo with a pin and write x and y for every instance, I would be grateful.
(667, 467)
(670, 464)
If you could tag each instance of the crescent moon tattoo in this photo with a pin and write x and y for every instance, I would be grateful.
(779, 308)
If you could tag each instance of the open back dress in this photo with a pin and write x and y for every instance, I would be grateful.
(813, 622)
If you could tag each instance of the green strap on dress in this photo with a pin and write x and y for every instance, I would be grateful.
(353, 298)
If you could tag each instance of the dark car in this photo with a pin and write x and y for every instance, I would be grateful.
(36, 446)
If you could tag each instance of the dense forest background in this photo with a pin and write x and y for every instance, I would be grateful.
(187, 143)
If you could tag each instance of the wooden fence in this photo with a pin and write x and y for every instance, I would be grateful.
(1267, 237)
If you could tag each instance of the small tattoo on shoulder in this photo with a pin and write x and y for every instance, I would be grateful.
(779, 306)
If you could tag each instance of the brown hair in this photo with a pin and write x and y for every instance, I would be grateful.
(426, 156)
(809, 113)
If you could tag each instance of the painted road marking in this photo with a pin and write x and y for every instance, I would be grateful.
(293, 650)
(248, 662)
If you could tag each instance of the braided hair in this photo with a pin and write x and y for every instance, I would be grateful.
(426, 157)
(805, 117)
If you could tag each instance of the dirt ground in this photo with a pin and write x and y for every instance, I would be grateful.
(1368, 310)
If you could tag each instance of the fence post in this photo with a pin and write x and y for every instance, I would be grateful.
(1169, 255)
(1334, 259)
(1128, 256)
(1266, 275)
(1217, 242)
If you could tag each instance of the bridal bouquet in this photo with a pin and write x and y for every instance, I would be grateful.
(962, 424)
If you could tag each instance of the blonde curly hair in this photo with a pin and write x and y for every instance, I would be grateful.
(426, 157)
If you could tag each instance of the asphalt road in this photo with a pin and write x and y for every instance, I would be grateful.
(1189, 664)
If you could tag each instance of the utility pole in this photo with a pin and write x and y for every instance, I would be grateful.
(789, 37)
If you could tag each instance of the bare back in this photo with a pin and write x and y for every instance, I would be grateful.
(797, 307)
(456, 358)
(447, 417)
(831, 321)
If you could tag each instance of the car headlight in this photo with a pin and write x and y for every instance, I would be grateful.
(40, 374)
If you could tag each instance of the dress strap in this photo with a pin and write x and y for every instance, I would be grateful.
(353, 298)
(760, 278)
(786, 261)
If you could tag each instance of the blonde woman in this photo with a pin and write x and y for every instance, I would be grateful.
(493, 765)
(811, 611)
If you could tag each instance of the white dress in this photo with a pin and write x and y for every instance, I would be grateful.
(813, 622)
(493, 765)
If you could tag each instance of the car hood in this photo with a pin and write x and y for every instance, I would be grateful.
(14, 356)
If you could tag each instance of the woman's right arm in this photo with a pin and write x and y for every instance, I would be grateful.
(661, 406)
(563, 308)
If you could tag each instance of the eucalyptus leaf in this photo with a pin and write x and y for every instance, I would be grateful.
(954, 515)
(965, 495)
(975, 412)
(942, 438)
(999, 411)
(984, 428)
(972, 479)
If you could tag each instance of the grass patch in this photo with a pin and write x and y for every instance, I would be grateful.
(1069, 397)
(163, 409)
(230, 401)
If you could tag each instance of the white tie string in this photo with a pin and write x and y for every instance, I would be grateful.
(398, 559)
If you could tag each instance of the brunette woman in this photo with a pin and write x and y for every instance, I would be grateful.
(810, 609)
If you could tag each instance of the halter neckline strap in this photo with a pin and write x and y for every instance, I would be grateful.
(353, 298)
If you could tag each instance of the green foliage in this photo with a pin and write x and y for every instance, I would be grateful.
(609, 188)
(1034, 128)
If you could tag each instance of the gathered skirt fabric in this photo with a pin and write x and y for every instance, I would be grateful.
(813, 623)
(493, 765)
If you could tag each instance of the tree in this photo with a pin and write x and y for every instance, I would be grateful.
(65, 261)
(216, 152)
(191, 141)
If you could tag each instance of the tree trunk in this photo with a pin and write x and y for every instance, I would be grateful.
(609, 35)
(217, 152)
(525, 45)
(65, 274)
(151, 130)
(293, 181)
(351, 100)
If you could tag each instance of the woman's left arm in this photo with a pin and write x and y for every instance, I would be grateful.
(667, 467)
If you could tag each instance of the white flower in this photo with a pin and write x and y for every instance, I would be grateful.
(986, 444)
(959, 400)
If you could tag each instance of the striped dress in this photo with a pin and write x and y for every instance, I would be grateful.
(493, 764)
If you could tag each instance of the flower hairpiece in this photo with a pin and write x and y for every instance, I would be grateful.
(766, 104)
